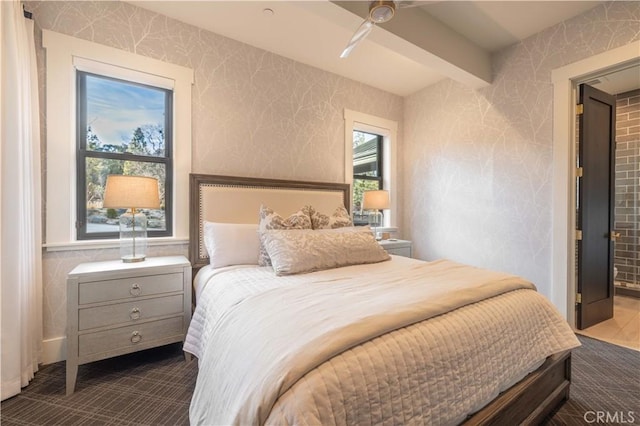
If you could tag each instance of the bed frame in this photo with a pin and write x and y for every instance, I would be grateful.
(237, 199)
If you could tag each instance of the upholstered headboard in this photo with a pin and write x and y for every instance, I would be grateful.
(230, 199)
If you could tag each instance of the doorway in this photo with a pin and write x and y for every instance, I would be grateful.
(627, 194)
(623, 256)
(563, 286)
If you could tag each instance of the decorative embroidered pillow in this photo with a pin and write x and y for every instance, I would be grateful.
(295, 252)
(269, 219)
(340, 218)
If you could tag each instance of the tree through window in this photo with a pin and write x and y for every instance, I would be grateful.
(124, 128)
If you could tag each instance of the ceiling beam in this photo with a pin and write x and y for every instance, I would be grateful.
(417, 35)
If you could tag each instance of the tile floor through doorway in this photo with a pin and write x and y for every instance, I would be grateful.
(624, 328)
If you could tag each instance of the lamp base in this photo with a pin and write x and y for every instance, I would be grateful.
(133, 259)
(133, 237)
(375, 220)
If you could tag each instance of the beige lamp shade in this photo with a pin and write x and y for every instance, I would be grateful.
(131, 192)
(375, 200)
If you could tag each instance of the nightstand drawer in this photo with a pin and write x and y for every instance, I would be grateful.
(397, 247)
(404, 251)
(129, 312)
(104, 291)
(130, 336)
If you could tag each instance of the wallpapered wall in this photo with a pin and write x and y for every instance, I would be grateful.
(483, 159)
(254, 113)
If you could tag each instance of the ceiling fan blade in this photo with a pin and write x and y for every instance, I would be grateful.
(363, 30)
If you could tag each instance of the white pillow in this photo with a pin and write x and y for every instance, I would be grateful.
(231, 243)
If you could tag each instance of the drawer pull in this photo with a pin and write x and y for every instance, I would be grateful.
(135, 337)
(135, 290)
(135, 314)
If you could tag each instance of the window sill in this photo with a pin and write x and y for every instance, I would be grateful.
(387, 229)
(392, 229)
(107, 244)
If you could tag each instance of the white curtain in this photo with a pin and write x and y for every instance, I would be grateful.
(20, 208)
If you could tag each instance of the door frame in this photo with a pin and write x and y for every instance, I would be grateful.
(565, 80)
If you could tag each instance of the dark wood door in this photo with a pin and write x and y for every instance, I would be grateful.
(596, 156)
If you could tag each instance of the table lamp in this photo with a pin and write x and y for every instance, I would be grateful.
(375, 200)
(132, 192)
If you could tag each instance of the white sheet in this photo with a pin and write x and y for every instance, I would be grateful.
(247, 280)
(501, 354)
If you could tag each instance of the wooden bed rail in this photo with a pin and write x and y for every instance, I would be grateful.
(532, 399)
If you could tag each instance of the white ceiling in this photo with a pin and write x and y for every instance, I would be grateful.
(618, 81)
(494, 25)
(418, 47)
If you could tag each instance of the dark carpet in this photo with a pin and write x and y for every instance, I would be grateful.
(154, 387)
(151, 387)
(605, 386)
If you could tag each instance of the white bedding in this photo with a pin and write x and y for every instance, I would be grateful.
(434, 371)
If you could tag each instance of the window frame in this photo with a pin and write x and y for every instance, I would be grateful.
(360, 217)
(66, 54)
(388, 129)
(82, 154)
(379, 160)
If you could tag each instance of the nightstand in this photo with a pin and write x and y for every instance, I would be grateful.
(115, 308)
(397, 247)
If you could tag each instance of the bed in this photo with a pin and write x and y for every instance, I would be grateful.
(373, 341)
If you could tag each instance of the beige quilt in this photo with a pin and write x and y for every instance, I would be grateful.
(398, 342)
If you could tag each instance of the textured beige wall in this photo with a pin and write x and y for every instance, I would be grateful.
(478, 164)
(254, 113)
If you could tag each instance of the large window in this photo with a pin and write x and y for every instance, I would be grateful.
(124, 128)
(367, 170)
(112, 111)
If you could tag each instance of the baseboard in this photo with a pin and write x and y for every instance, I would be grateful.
(627, 291)
(54, 350)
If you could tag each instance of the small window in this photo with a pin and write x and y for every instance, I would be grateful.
(367, 170)
(124, 128)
